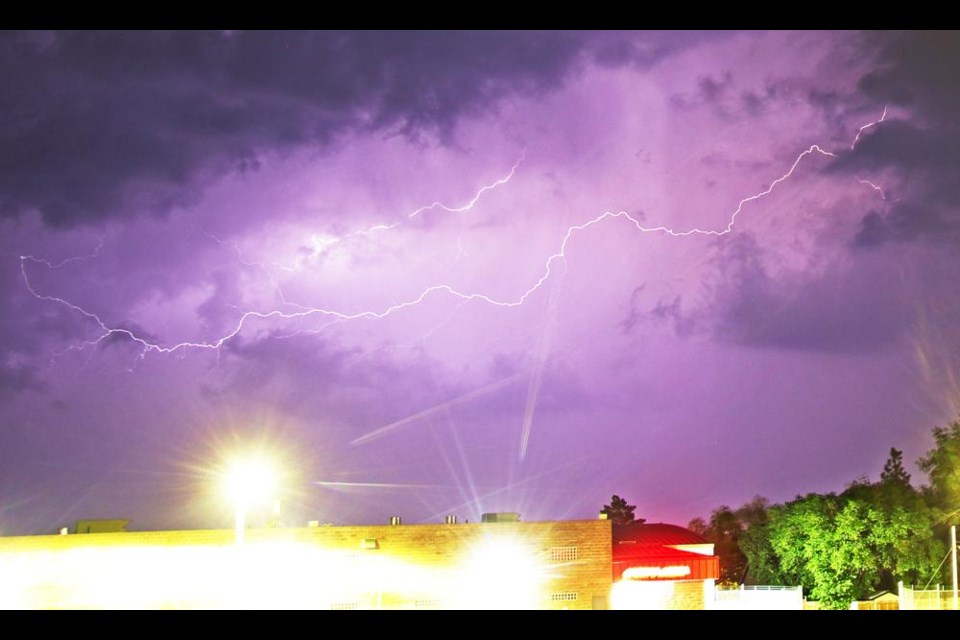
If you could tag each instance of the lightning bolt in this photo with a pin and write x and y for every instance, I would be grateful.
(56, 265)
(439, 205)
(874, 187)
(322, 243)
(147, 346)
(856, 138)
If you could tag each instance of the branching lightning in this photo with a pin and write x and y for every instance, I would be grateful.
(550, 265)
(874, 187)
(856, 138)
(321, 243)
(439, 205)
(56, 265)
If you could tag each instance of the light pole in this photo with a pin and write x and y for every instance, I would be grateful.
(248, 481)
(953, 560)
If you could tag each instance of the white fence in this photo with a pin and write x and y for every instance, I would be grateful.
(757, 597)
(912, 599)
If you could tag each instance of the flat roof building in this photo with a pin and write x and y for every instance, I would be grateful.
(501, 563)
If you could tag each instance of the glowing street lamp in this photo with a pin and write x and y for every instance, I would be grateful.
(248, 482)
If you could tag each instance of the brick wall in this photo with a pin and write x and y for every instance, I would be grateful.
(406, 566)
(687, 594)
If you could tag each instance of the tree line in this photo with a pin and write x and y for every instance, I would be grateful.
(847, 546)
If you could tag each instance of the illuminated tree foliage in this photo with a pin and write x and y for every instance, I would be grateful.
(942, 466)
(619, 512)
(838, 547)
(725, 530)
(841, 548)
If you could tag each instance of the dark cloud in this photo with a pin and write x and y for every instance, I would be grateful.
(100, 124)
(672, 312)
(917, 151)
(635, 314)
(916, 70)
(15, 378)
(904, 222)
(710, 90)
(728, 101)
(27, 329)
(346, 385)
(845, 309)
(925, 159)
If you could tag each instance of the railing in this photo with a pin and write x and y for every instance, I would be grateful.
(759, 596)
(938, 599)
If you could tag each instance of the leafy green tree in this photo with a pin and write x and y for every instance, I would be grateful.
(942, 466)
(740, 540)
(842, 547)
(761, 564)
(845, 547)
(724, 531)
(619, 512)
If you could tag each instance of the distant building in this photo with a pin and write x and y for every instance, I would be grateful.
(882, 601)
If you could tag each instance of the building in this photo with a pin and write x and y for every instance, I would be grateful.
(500, 563)
(662, 566)
(882, 601)
(491, 565)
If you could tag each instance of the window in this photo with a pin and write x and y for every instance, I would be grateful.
(563, 554)
(563, 596)
(426, 604)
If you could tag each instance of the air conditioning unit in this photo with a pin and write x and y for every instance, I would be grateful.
(502, 516)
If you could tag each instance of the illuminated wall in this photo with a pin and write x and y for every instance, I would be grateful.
(661, 594)
(548, 565)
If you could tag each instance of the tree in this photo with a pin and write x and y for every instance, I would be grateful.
(619, 512)
(763, 565)
(893, 471)
(847, 546)
(841, 548)
(728, 531)
(724, 531)
(942, 466)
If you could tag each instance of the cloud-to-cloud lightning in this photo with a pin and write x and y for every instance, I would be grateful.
(549, 266)
(615, 255)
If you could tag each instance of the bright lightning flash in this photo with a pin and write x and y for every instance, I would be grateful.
(550, 265)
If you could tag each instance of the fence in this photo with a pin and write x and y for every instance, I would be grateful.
(757, 597)
(925, 599)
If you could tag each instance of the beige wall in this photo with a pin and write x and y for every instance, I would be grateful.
(552, 565)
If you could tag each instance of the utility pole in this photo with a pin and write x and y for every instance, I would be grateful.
(953, 559)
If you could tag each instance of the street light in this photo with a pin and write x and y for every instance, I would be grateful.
(249, 481)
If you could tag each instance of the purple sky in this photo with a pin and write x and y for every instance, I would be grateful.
(468, 272)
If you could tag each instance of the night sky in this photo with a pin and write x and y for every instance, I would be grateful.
(452, 273)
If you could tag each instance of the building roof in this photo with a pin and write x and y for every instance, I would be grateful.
(655, 534)
(655, 553)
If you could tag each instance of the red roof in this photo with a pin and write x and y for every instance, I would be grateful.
(653, 546)
(652, 552)
(654, 534)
